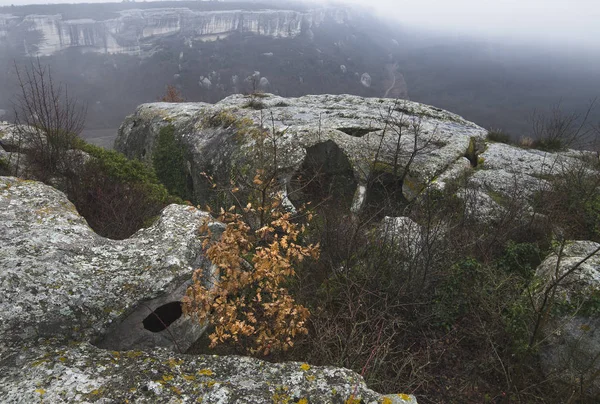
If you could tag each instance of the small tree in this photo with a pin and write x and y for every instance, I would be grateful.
(248, 303)
(172, 95)
(49, 120)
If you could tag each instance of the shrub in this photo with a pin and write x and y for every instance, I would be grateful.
(526, 142)
(172, 95)
(497, 135)
(558, 130)
(573, 202)
(117, 196)
(48, 120)
(255, 103)
(247, 302)
(222, 118)
(4, 167)
(169, 162)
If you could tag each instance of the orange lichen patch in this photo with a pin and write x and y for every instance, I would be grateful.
(305, 366)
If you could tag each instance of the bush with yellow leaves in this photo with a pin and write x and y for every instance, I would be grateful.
(247, 301)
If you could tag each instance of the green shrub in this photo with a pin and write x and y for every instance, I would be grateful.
(169, 162)
(222, 118)
(4, 170)
(573, 202)
(550, 145)
(521, 259)
(255, 103)
(497, 135)
(117, 196)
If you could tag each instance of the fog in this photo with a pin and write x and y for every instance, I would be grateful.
(570, 23)
(493, 62)
(564, 23)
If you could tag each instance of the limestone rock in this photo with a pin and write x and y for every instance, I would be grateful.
(459, 168)
(82, 373)
(500, 156)
(65, 289)
(133, 29)
(572, 345)
(366, 80)
(509, 184)
(264, 84)
(404, 233)
(344, 129)
(205, 82)
(61, 280)
(11, 139)
(508, 171)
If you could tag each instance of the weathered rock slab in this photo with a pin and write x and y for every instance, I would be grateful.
(571, 349)
(61, 280)
(357, 126)
(65, 291)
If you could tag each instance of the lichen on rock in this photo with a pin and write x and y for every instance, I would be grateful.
(65, 290)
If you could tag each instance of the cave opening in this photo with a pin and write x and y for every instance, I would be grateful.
(162, 317)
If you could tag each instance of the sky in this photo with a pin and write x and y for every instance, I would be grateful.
(551, 22)
(568, 22)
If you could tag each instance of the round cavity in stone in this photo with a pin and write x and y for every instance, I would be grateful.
(162, 317)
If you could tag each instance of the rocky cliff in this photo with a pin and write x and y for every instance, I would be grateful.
(132, 31)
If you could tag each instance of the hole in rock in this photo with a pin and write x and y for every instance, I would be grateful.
(385, 195)
(163, 317)
(325, 177)
(357, 132)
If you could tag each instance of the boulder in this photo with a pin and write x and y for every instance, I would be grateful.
(82, 373)
(405, 235)
(61, 280)
(366, 80)
(536, 163)
(264, 84)
(506, 171)
(570, 351)
(205, 82)
(78, 316)
(344, 129)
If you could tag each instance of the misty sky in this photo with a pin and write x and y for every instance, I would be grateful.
(563, 22)
(570, 22)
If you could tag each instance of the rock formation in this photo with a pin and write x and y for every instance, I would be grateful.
(78, 310)
(77, 316)
(571, 346)
(129, 32)
(347, 132)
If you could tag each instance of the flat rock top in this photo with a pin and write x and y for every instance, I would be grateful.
(343, 111)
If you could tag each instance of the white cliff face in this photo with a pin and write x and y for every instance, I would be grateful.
(127, 33)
